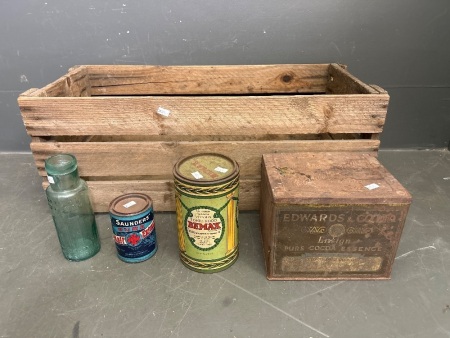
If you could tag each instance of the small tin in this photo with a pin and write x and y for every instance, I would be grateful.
(206, 195)
(133, 227)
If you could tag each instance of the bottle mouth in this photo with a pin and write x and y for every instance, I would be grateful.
(60, 164)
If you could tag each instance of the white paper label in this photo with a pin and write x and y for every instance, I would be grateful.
(163, 111)
(221, 170)
(50, 179)
(372, 186)
(197, 175)
(129, 204)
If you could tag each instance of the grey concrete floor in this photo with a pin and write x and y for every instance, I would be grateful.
(43, 295)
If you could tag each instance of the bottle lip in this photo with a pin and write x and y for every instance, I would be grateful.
(60, 164)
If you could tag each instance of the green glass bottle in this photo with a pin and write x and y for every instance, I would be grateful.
(71, 208)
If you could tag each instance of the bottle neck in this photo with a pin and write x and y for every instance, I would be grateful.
(65, 182)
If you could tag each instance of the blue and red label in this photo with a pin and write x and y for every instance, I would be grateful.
(135, 236)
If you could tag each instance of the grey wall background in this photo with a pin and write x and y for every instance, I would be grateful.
(401, 45)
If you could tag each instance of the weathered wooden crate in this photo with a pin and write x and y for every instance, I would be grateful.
(128, 125)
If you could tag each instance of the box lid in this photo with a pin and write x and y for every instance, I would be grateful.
(338, 177)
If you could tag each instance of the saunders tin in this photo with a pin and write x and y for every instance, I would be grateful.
(133, 227)
(206, 194)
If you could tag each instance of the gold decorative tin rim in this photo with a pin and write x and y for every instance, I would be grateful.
(195, 183)
(207, 190)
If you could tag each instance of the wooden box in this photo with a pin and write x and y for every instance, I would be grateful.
(330, 216)
(128, 125)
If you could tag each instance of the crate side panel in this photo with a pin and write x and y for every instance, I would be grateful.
(73, 84)
(105, 159)
(78, 84)
(161, 191)
(210, 80)
(340, 81)
(216, 115)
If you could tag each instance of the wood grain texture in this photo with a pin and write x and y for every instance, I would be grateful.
(340, 81)
(211, 80)
(158, 158)
(161, 192)
(379, 89)
(214, 115)
(73, 84)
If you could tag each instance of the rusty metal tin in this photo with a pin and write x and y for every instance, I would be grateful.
(133, 227)
(207, 193)
(330, 216)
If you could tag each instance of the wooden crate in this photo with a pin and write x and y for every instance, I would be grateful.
(330, 216)
(113, 119)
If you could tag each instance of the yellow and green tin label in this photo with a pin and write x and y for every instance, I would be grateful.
(207, 193)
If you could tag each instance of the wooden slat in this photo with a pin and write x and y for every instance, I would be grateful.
(379, 89)
(79, 83)
(29, 92)
(192, 138)
(158, 158)
(211, 80)
(197, 138)
(215, 115)
(161, 192)
(73, 84)
(342, 82)
(57, 88)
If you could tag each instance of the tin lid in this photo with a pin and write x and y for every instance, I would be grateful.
(204, 169)
(337, 177)
(130, 204)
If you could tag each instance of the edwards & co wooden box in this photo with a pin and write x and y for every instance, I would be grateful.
(330, 216)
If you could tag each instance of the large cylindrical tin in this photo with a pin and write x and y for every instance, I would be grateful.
(133, 227)
(207, 193)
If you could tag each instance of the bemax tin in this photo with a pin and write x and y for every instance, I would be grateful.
(133, 227)
(206, 195)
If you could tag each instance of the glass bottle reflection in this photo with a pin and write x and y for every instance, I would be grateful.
(71, 208)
